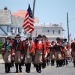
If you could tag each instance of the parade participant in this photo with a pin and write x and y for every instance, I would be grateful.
(73, 51)
(33, 60)
(45, 47)
(18, 48)
(12, 52)
(23, 53)
(39, 51)
(52, 53)
(58, 54)
(3, 49)
(48, 50)
(29, 53)
(66, 51)
(62, 61)
(7, 55)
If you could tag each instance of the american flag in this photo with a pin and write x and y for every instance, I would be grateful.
(28, 22)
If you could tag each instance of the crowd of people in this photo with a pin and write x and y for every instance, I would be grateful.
(40, 52)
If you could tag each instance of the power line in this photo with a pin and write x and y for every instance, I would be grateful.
(46, 9)
(72, 19)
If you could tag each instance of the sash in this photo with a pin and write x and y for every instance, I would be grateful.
(8, 46)
(17, 46)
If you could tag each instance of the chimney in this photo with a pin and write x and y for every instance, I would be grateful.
(5, 8)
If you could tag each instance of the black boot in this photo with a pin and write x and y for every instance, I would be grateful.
(26, 67)
(29, 66)
(9, 67)
(20, 68)
(6, 69)
(16, 65)
(43, 65)
(74, 63)
(57, 63)
(52, 62)
(37, 67)
(39, 70)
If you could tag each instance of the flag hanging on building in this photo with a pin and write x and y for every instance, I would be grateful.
(28, 22)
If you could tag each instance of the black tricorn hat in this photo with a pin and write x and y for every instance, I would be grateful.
(44, 36)
(8, 38)
(17, 36)
(65, 39)
(40, 35)
(57, 38)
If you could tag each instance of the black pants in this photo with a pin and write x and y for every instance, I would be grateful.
(7, 67)
(52, 62)
(28, 67)
(18, 65)
(48, 61)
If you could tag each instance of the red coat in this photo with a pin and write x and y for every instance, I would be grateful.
(24, 45)
(48, 43)
(72, 46)
(40, 46)
(33, 48)
(48, 46)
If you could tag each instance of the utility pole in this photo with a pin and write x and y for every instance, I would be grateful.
(33, 13)
(33, 8)
(68, 28)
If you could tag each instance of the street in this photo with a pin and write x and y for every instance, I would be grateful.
(49, 70)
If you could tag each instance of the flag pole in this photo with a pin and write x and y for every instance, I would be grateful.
(33, 13)
(68, 27)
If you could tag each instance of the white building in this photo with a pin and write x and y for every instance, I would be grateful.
(52, 31)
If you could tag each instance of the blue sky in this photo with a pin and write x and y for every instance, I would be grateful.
(48, 11)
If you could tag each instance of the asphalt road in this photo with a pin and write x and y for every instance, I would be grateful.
(49, 70)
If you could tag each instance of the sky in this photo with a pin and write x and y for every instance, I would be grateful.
(47, 11)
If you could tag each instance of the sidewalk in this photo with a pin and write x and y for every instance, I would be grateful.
(1, 61)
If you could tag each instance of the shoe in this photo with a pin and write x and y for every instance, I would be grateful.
(16, 72)
(39, 71)
(6, 71)
(20, 71)
(28, 71)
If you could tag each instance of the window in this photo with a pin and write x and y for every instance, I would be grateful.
(53, 31)
(48, 31)
(19, 30)
(11, 29)
(58, 31)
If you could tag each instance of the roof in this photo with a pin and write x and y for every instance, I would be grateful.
(22, 13)
(17, 20)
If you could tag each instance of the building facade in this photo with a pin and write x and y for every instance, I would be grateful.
(52, 31)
